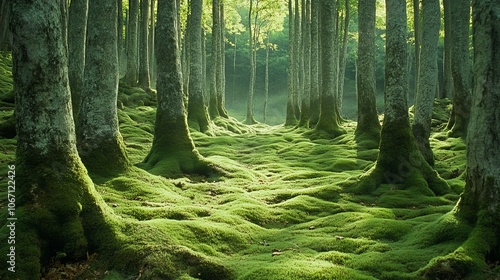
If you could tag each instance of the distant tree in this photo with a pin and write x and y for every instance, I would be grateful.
(266, 79)
(99, 141)
(427, 78)
(213, 106)
(173, 152)
(54, 194)
(77, 29)
(197, 111)
(399, 158)
(144, 80)
(252, 33)
(221, 54)
(343, 54)
(131, 76)
(152, 62)
(315, 59)
(368, 124)
(460, 67)
(329, 115)
(479, 203)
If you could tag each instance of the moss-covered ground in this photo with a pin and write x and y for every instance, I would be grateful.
(282, 213)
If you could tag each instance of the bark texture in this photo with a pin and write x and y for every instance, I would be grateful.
(447, 77)
(213, 106)
(131, 76)
(427, 78)
(100, 143)
(251, 33)
(368, 124)
(197, 111)
(77, 29)
(315, 73)
(305, 111)
(290, 109)
(144, 80)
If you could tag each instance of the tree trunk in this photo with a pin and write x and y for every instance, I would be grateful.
(427, 78)
(305, 112)
(460, 68)
(152, 62)
(99, 141)
(251, 33)
(77, 29)
(399, 160)
(328, 119)
(144, 46)
(54, 194)
(297, 85)
(290, 108)
(417, 36)
(447, 77)
(132, 29)
(343, 57)
(197, 112)
(315, 81)
(368, 127)
(221, 92)
(173, 153)
(266, 79)
(213, 107)
(479, 204)
(64, 22)
(119, 30)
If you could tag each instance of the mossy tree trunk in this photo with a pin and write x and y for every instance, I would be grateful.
(427, 81)
(152, 62)
(343, 56)
(315, 73)
(417, 35)
(252, 34)
(447, 91)
(328, 119)
(144, 80)
(221, 92)
(460, 68)
(213, 106)
(399, 160)
(99, 141)
(197, 111)
(54, 193)
(77, 29)
(290, 108)
(368, 124)
(173, 152)
(297, 85)
(480, 202)
(119, 30)
(305, 112)
(131, 76)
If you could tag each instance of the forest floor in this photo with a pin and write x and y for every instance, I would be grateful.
(283, 213)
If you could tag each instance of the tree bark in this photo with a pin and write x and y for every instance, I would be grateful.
(328, 119)
(197, 111)
(343, 57)
(399, 160)
(290, 108)
(77, 29)
(99, 141)
(297, 85)
(427, 78)
(251, 33)
(315, 76)
(152, 62)
(144, 81)
(417, 34)
(213, 106)
(131, 77)
(305, 112)
(221, 93)
(266, 79)
(368, 127)
(447, 91)
(460, 68)
(54, 194)
(173, 152)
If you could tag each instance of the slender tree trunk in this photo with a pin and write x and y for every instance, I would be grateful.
(328, 119)
(132, 30)
(119, 30)
(305, 114)
(399, 158)
(297, 83)
(64, 22)
(152, 62)
(315, 81)
(290, 105)
(266, 79)
(99, 141)
(460, 68)
(417, 36)
(221, 93)
(173, 152)
(233, 93)
(144, 46)
(54, 194)
(447, 77)
(251, 31)
(213, 107)
(427, 81)
(343, 57)
(197, 111)
(77, 29)
(368, 127)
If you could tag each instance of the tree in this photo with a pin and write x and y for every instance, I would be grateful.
(427, 78)
(173, 152)
(55, 197)
(479, 203)
(197, 112)
(77, 29)
(368, 124)
(329, 115)
(252, 33)
(460, 67)
(221, 93)
(213, 107)
(297, 82)
(132, 29)
(447, 91)
(305, 111)
(144, 45)
(99, 141)
(343, 57)
(290, 105)
(417, 34)
(399, 160)
(315, 71)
